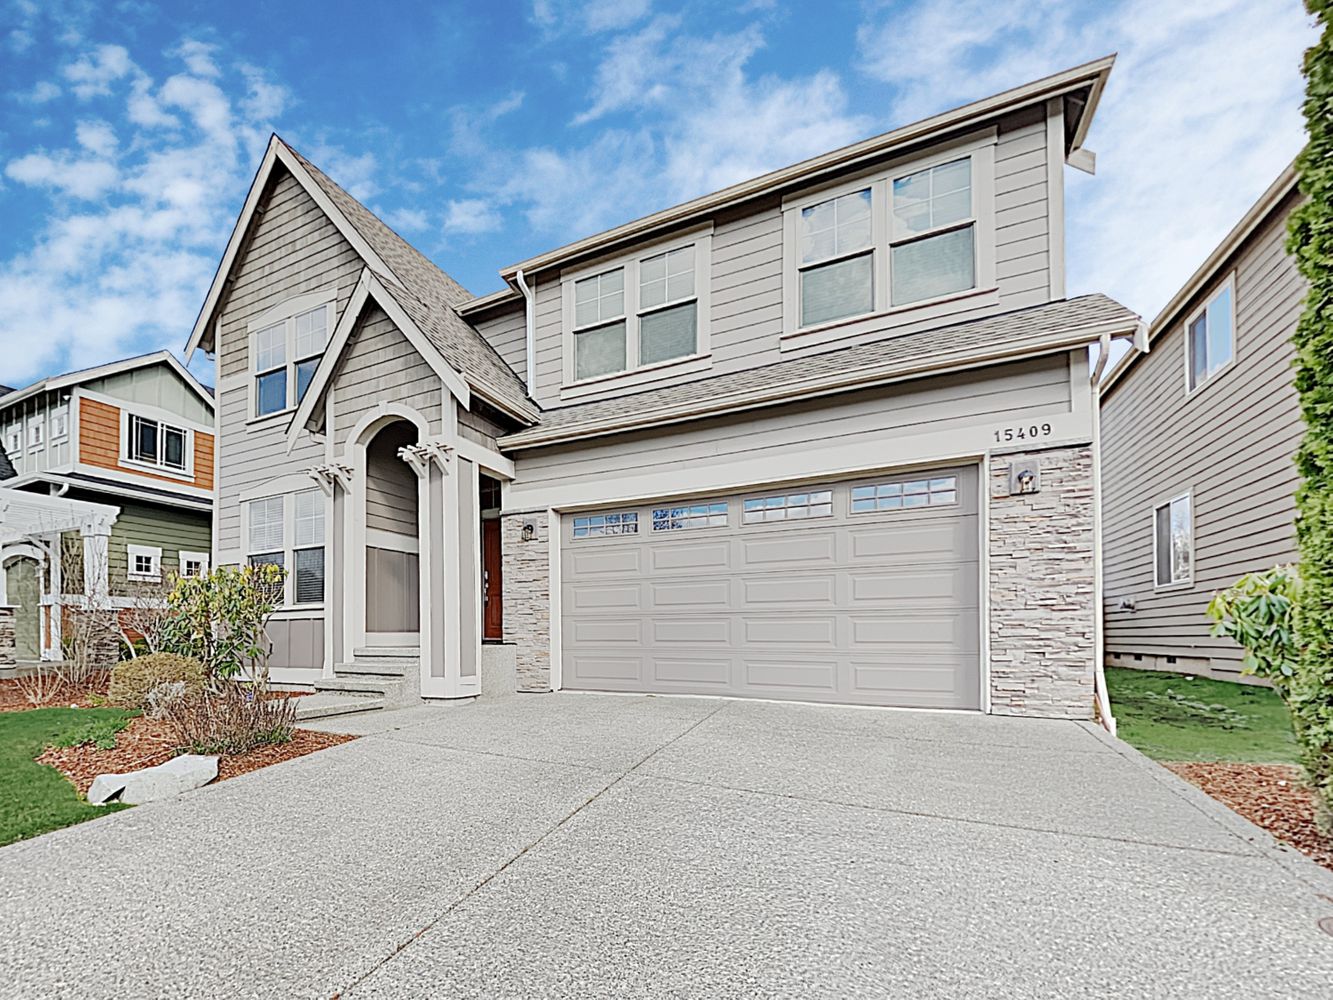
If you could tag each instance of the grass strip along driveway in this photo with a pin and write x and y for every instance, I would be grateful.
(35, 798)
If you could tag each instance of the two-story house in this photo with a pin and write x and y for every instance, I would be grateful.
(134, 435)
(1199, 438)
(828, 434)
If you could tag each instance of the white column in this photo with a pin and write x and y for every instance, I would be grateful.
(4, 589)
(96, 561)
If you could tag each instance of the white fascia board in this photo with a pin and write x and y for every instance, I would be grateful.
(277, 152)
(71, 379)
(369, 286)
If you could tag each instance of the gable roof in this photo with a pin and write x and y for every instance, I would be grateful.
(1170, 314)
(1043, 329)
(69, 379)
(1082, 86)
(427, 293)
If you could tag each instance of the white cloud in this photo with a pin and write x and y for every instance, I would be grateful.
(697, 118)
(1202, 113)
(198, 57)
(139, 214)
(470, 216)
(405, 220)
(355, 174)
(97, 137)
(19, 41)
(92, 74)
(41, 93)
(78, 178)
(592, 16)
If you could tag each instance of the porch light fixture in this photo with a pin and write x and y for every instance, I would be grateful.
(529, 530)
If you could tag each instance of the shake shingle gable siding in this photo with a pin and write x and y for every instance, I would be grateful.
(431, 298)
(1055, 326)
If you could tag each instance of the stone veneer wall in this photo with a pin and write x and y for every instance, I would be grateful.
(1042, 569)
(527, 598)
(8, 639)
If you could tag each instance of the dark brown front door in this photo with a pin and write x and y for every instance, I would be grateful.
(492, 615)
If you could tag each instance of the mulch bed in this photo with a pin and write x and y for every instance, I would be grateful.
(1273, 796)
(148, 742)
(14, 698)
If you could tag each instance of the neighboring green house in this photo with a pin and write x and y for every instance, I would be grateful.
(135, 435)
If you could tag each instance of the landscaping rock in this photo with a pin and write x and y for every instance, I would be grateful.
(177, 775)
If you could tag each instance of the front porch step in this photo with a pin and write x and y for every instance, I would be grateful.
(375, 668)
(323, 706)
(412, 653)
(388, 688)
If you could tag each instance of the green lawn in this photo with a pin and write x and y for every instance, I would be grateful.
(1173, 717)
(35, 798)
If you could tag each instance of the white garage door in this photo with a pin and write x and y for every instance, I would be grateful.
(862, 592)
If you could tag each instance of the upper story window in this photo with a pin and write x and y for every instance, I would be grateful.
(285, 352)
(60, 423)
(13, 440)
(153, 442)
(1173, 542)
(36, 433)
(1210, 337)
(636, 312)
(911, 237)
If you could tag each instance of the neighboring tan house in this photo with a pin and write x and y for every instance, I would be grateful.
(827, 434)
(134, 435)
(1199, 436)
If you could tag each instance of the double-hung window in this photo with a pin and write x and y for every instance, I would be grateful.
(933, 244)
(36, 433)
(1210, 341)
(913, 237)
(152, 442)
(14, 440)
(288, 531)
(1173, 542)
(59, 423)
(285, 355)
(650, 309)
(837, 253)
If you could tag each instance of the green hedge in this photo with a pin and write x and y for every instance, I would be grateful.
(1311, 243)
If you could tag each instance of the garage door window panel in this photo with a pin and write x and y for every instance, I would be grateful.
(596, 525)
(688, 517)
(941, 491)
(788, 507)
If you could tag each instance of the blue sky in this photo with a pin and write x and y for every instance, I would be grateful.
(485, 132)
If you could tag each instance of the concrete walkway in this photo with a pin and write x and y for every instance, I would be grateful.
(599, 846)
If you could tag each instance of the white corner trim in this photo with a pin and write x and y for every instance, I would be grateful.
(1055, 196)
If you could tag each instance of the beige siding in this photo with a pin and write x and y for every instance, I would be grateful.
(506, 329)
(156, 385)
(379, 365)
(478, 428)
(747, 269)
(935, 404)
(294, 249)
(1231, 444)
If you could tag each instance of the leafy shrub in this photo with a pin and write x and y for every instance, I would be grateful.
(231, 719)
(1310, 242)
(1258, 612)
(220, 619)
(132, 680)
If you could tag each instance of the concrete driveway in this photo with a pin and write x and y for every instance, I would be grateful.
(601, 846)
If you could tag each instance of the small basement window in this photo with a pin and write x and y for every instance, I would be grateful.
(788, 507)
(689, 516)
(625, 523)
(913, 493)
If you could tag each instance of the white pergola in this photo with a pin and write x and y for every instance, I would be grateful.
(30, 527)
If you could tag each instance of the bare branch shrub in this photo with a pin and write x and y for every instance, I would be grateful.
(231, 719)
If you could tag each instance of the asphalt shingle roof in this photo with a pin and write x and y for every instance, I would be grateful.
(431, 298)
(1018, 333)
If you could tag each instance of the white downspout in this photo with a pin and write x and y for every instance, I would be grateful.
(530, 322)
(1102, 696)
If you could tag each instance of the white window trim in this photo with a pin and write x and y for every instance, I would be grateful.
(132, 552)
(1188, 582)
(157, 468)
(36, 432)
(200, 557)
(284, 313)
(701, 238)
(288, 544)
(61, 409)
(980, 148)
(1228, 284)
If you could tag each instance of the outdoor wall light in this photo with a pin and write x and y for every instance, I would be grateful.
(529, 530)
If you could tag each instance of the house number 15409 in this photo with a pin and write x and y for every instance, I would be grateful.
(1024, 433)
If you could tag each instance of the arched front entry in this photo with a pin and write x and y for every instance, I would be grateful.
(24, 578)
(392, 533)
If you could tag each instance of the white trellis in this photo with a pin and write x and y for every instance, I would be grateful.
(31, 525)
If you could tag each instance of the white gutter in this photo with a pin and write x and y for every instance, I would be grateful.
(1102, 696)
(530, 324)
